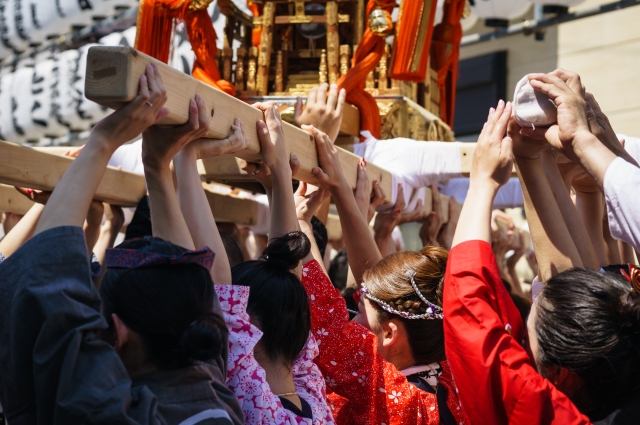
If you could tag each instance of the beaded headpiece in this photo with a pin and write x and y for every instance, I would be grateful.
(433, 311)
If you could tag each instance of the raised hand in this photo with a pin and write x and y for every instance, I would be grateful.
(493, 156)
(271, 135)
(262, 173)
(362, 193)
(322, 112)
(431, 226)
(445, 238)
(127, 122)
(329, 174)
(235, 142)
(307, 203)
(160, 145)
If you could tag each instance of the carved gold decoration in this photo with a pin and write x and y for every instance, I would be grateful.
(264, 55)
(345, 58)
(300, 17)
(279, 86)
(252, 68)
(333, 41)
(370, 82)
(401, 117)
(343, 18)
(240, 53)
(380, 22)
(382, 70)
(199, 4)
(467, 11)
(323, 67)
(359, 24)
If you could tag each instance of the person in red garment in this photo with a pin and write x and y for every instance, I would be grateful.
(377, 373)
(583, 364)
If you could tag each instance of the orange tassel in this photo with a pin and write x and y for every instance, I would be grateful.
(366, 58)
(445, 52)
(156, 21)
(413, 40)
(256, 33)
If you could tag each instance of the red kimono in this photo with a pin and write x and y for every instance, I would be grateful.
(497, 381)
(367, 389)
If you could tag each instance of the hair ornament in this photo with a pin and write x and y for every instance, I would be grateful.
(633, 277)
(433, 311)
(135, 259)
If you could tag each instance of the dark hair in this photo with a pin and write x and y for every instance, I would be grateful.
(320, 234)
(387, 281)
(277, 300)
(589, 323)
(232, 247)
(170, 306)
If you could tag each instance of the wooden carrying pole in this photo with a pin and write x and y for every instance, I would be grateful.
(12, 201)
(28, 167)
(112, 79)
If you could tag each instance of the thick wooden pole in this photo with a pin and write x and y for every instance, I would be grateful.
(112, 79)
(28, 167)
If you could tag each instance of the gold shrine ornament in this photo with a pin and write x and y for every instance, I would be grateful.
(199, 4)
(380, 22)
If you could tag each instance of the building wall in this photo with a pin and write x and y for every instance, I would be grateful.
(604, 50)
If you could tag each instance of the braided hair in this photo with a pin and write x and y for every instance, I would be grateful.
(387, 281)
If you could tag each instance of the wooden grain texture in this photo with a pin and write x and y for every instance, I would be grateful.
(112, 79)
(28, 167)
(12, 201)
(228, 208)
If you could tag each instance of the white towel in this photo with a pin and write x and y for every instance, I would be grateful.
(533, 108)
(416, 164)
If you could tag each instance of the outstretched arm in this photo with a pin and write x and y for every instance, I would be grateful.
(193, 201)
(70, 200)
(21, 232)
(361, 247)
(491, 169)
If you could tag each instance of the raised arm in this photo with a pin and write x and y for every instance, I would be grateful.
(22, 231)
(491, 169)
(274, 156)
(554, 246)
(70, 200)
(193, 201)
(483, 329)
(361, 247)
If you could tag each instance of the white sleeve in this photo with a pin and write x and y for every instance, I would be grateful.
(620, 181)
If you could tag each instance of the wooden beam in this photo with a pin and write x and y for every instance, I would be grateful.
(28, 167)
(228, 208)
(11, 201)
(112, 80)
(334, 229)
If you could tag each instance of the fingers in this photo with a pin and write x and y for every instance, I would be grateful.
(298, 109)
(313, 95)
(294, 163)
(321, 176)
(501, 124)
(494, 114)
(263, 133)
(302, 189)
(322, 93)
(435, 196)
(400, 202)
(571, 78)
(378, 194)
(203, 117)
(333, 97)
(342, 98)
(550, 85)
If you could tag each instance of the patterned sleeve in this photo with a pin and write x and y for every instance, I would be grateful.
(310, 383)
(245, 377)
(352, 367)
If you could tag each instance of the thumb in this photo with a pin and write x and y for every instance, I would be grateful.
(506, 148)
(321, 176)
(302, 189)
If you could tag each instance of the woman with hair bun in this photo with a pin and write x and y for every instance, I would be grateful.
(271, 349)
(388, 365)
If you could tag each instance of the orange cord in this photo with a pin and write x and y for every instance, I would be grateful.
(156, 20)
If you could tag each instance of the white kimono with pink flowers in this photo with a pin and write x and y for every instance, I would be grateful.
(247, 379)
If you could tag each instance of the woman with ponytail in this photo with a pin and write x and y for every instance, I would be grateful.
(271, 349)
